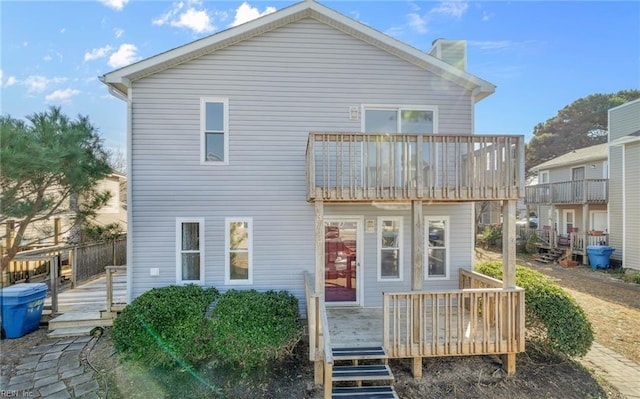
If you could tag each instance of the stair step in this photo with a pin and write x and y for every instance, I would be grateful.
(355, 353)
(79, 319)
(70, 332)
(378, 392)
(376, 372)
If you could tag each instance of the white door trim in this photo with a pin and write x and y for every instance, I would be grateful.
(359, 255)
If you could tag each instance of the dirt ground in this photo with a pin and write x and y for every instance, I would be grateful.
(612, 306)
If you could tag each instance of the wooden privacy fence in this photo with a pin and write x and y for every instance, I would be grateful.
(90, 259)
(475, 320)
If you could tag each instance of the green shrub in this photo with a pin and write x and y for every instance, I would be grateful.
(531, 247)
(549, 310)
(253, 329)
(492, 235)
(166, 325)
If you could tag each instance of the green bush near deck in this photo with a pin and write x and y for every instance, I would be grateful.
(253, 329)
(167, 325)
(550, 310)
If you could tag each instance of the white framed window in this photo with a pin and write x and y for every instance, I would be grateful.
(214, 130)
(238, 239)
(437, 247)
(189, 251)
(407, 119)
(390, 248)
(543, 177)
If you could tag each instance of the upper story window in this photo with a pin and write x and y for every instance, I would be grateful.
(214, 127)
(190, 251)
(543, 177)
(408, 120)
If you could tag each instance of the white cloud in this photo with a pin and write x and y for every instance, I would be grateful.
(197, 21)
(47, 57)
(97, 53)
(11, 80)
(125, 55)
(486, 16)
(246, 13)
(61, 95)
(186, 15)
(117, 5)
(63, 30)
(417, 23)
(452, 8)
(38, 83)
(118, 32)
(491, 45)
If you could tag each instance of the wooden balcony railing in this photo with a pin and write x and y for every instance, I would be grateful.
(589, 191)
(370, 167)
(469, 321)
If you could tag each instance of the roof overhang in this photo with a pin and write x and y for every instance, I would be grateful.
(119, 81)
(630, 138)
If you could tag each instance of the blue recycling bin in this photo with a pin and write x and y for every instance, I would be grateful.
(599, 255)
(22, 308)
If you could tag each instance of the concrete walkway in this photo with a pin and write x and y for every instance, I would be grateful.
(53, 370)
(616, 369)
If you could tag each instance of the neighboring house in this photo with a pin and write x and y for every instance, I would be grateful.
(570, 198)
(624, 206)
(60, 228)
(305, 141)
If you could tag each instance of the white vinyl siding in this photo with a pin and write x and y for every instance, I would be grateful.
(214, 128)
(436, 257)
(390, 248)
(281, 85)
(238, 246)
(189, 251)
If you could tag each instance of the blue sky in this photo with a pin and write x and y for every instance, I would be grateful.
(541, 55)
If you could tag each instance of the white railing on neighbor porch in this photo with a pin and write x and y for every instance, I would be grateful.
(478, 319)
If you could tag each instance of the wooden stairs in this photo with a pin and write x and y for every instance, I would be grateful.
(351, 370)
(554, 255)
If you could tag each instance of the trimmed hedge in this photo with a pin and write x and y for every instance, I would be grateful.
(253, 329)
(166, 325)
(549, 309)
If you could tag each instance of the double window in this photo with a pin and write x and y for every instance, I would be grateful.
(437, 247)
(390, 248)
(214, 130)
(190, 251)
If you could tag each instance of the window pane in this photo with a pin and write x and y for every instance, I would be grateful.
(239, 262)
(215, 146)
(381, 121)
(190, 236)
(389, 267)
(437, 262)
(417, 122)
(214, 117)
(239, 235)
(389, 234)
(191, 266)
(437, 233)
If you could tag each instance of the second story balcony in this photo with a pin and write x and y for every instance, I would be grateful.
(348, 167)
(587, 191)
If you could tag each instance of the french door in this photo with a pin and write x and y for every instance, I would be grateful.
(341, 260)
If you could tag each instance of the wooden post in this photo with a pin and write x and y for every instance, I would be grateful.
(584, 234)
(319, 230)
(109, 288)
(53, 275)
(509, 244)
(56, 231)
(417, 276)
(73, 258)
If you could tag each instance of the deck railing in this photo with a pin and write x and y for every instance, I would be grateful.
(589, 191)
(469, 321)
(319, 339)
(370, 167)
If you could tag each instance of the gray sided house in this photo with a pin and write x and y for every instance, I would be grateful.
(570, 198)
(307, 142)
(624, 206)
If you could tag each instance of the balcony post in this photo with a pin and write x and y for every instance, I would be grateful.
(320, 236)
(585, 233)
(417, 255)
(509, 244)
